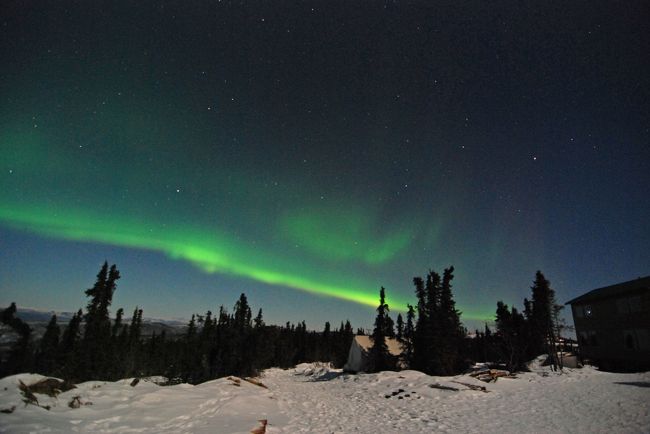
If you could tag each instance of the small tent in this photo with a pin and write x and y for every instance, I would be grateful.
(360, 348)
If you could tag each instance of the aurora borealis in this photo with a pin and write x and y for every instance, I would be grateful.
(309, 153)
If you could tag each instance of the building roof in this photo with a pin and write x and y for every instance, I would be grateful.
(614, 290)
(394, 346)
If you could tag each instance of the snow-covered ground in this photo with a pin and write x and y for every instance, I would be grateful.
(315, 399)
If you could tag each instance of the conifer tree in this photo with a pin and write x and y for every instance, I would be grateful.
(19, 358)
(409, 333)
(69, 348)
(242, 313)
(419, 342)
(263, 348)
(117, 324)
(511, 328)
(325, 347)
(258, 322)
(541, 317)
(97, 333)
(240, 357)
(438, 333)
(399, 334)
(432, 334)
(451, 333)
(389, 327)
(46, 358)
(378, 354)
(341, 344)
(132, 361)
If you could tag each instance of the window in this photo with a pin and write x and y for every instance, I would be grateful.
(593, 338)
(630, 340)
(636, 339)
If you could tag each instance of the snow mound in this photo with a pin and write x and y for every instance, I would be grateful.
(317, 371)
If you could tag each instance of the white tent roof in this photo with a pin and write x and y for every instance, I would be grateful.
(394, 346)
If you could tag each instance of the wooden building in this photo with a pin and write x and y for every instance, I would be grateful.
(613, 325)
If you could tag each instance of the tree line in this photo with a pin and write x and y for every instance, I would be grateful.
(434, 341)
(431, 336)
(95, 346)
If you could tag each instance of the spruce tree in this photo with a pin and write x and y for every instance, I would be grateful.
(432, 334)
(20, 355)
(117, 324)
(206, 346)
(511, 330)
(451, 334)
(46, 358)
(399, 334)
(69, 348)
(541, 321)
(133, 360)
(419, 342)
(379, 355)
(325, 347)
(258, 322)
(389, 327)
(343, 342)
(241, 355)
(190, 371)
(409, 333)
(96, 341)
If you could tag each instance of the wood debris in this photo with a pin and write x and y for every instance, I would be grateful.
(234, 381)
(260, 429)
(255, 382)
(491, 375)
(442, 387)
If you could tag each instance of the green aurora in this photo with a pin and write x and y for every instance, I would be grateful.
(334, 248)
(213, 254)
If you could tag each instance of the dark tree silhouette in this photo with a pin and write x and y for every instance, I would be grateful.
(399, 332)
(95, 360)
(378, 354)
(47, 354)
(20, 354)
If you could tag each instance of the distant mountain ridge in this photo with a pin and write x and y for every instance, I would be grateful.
(38, 320)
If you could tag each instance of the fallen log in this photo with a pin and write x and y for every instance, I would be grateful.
(442, 387)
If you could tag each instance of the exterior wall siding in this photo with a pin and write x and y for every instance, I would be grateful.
(614, 332)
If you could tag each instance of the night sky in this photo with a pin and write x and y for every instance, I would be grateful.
(307, 153)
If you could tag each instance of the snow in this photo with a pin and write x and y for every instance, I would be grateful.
(313, 398)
